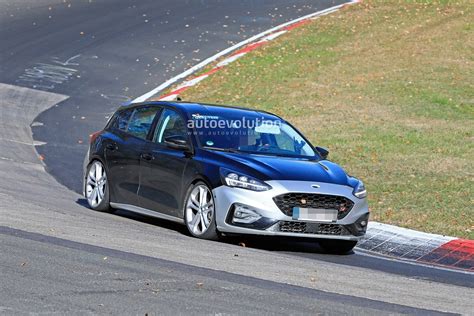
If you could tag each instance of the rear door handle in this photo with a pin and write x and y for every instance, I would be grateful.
(111, 146)
(147, 157)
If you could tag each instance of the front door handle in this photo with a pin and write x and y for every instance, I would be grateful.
(147, 157)
(111, 146)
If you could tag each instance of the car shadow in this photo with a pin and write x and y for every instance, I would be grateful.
(280, 244)
(82, 202)
(273, 243)
(141, 218)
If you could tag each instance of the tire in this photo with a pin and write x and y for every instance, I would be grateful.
(96, 189)
(200, 212)
(337, 246)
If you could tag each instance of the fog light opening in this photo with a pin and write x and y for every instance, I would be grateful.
(244, 215)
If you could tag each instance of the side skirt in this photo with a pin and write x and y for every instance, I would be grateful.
(146, 212)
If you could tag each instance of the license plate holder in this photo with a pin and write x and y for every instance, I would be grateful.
(314, 214)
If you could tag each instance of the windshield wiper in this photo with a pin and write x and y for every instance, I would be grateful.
(227, 150)
(269, 153)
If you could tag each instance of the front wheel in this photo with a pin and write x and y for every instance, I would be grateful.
(337, 246)
(200, 212)
(97, 187)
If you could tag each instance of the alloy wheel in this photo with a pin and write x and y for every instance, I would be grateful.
(96, 184)
(199, 210)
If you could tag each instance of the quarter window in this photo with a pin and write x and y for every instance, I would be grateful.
(141, 121)
(120, 121)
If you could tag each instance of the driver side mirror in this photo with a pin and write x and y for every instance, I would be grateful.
(323, 152)
(177, 142)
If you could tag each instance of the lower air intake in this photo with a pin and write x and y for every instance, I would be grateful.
(312, 228)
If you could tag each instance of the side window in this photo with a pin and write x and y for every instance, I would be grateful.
(170, 124)
(120, 121)
(141, 121)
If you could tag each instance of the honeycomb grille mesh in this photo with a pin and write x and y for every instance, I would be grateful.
(286, 202)
(312, 228)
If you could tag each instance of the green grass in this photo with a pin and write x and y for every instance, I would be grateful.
(388, 87)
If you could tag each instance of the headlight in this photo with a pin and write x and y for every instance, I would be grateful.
(360, 191)
(235, 179)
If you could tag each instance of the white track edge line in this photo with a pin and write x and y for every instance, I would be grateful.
(211, 59)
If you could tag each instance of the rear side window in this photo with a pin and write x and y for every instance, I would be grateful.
(141, 121)
(120, 121)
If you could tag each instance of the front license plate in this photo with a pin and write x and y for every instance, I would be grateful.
(314, 214)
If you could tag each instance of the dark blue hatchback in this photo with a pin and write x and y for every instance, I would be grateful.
(220, 169)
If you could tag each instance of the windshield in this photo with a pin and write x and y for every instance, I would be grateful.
(251, 134)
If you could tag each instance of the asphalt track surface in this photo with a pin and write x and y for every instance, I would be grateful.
(65, 66)
(119, 50)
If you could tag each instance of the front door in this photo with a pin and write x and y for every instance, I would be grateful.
(162, 168)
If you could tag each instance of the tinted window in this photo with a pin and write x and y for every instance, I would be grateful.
(141, 121)
(170, 124)
(120, 121)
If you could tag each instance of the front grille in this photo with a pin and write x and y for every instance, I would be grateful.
(312, 228)
(286, 202)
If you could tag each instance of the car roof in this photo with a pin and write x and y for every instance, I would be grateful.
(195, 107)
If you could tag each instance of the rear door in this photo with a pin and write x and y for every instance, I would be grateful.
(162, 168)
(123, 154)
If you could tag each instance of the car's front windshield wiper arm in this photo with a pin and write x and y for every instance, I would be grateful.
(228, 150)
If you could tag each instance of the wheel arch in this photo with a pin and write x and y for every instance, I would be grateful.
(197, 178)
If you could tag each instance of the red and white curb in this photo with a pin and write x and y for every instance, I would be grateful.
(233, 53)
(412, 245)
(381, 239)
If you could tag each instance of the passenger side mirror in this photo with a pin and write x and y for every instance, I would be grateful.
(323, 152)
(177, 142)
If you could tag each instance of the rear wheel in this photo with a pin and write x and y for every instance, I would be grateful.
(337, 246)
(97, 187)
(199, 212)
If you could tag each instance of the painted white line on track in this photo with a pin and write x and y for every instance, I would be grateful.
(192, 82)
(228, 50)
(271, 37)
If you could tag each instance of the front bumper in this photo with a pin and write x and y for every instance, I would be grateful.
(275, 223)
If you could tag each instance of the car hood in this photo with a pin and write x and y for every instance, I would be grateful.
(284, 168)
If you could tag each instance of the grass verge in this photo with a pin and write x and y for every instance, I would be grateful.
(388, 87)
